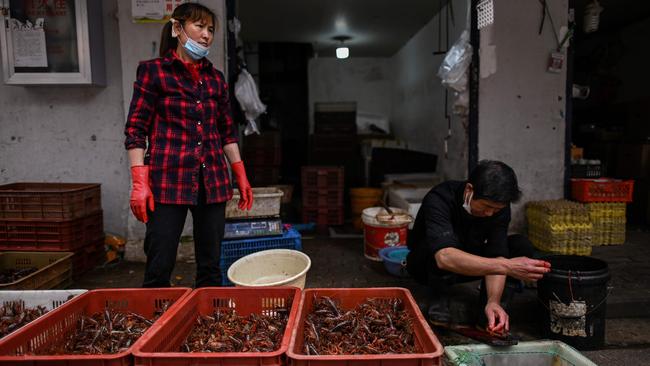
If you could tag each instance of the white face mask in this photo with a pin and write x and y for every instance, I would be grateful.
(466, 204)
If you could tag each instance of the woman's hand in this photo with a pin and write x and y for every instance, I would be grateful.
(141, 196)
(245, 190)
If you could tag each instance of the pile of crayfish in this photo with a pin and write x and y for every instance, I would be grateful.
(376, 326)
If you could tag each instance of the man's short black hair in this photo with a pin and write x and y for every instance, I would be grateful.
(495, 181)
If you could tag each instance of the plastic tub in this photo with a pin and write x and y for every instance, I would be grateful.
(266, 203)
(538, 353)
(169, 333)
(275, 267)
(394, 259)
(573, 298)
(349, 298)
(383, 230)
(15, 348)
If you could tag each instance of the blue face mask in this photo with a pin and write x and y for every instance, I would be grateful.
(195, 50)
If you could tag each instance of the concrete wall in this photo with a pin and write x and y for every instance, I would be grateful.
(364, 80)
(418, 100)
(521, 105)
(70, 134)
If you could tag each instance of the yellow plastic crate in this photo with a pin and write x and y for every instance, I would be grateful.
(608, 220)
(560, 226)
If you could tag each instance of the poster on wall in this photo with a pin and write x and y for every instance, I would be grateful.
(29, 43)
(153, 11)
(43, 35)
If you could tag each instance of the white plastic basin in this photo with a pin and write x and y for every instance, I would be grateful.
(275, 267)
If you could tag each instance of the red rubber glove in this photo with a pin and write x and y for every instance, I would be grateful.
(245, 190)
(141, 195)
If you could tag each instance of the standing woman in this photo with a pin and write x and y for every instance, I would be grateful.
(180, 113)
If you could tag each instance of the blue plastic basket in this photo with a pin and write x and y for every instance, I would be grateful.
(232, 250)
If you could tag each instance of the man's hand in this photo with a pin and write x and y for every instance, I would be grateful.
(527, 269)
(498, 320)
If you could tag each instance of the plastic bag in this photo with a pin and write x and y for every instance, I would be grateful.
(249, 100)
(453, 70)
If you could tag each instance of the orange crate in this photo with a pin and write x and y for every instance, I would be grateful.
(349, 298)
(52, 327)
(161, 346)
(602, 190)
(49, 201)
(41, 235)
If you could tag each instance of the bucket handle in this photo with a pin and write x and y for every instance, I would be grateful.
(609, 291)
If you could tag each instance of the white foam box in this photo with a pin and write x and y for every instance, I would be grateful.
(409, 199)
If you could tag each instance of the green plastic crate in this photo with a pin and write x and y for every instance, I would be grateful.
(536, 353)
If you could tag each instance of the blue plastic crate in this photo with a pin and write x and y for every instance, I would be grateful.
(232, 250)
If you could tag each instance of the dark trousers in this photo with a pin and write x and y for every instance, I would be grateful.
(164, 232)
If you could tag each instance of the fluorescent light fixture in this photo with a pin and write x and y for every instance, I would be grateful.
(342, 52)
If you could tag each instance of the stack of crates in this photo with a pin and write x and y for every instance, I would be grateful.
(606, 200)
(54, 217)
(262, 155)
(608, 219)
(250, 231)
(560, 226)
(322, 196)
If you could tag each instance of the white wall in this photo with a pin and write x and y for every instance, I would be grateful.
(521, 105)
(70, 134)
(418, 109)
(364, 80)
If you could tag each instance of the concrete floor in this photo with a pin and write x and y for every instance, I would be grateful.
(340, 263)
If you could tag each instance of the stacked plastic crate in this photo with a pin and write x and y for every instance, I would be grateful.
(254, 230)
(606, 201)
(560, 226)
(54, 217)
(322, 196)
(262, 155)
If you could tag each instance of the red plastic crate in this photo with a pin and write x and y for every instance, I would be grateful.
(161, 345)
(322, 177)
(263, 156)
(322, 197)
(68, 235)
(49, 201)
(54, 326)
(261, 176)
(87, 257)
(323, 216)
(602, 190)
(349, 298)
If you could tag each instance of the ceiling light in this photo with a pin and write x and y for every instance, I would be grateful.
(342, 51)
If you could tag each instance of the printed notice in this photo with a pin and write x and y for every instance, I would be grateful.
(148, 9)
(29, 44)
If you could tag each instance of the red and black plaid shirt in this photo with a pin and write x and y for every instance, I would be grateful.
(186, 121)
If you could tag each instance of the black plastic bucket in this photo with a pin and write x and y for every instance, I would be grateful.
(573, 297)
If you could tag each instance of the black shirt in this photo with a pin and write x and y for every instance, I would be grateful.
(442, 222)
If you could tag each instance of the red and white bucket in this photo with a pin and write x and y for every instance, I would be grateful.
(381, 230)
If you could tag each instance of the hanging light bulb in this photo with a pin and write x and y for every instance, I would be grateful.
(342, 51)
